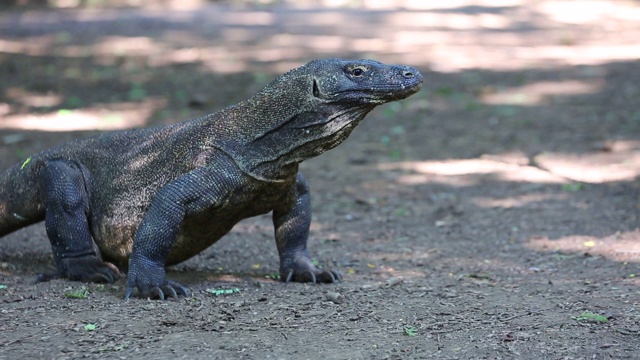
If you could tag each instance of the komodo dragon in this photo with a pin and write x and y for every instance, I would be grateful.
(158, 196)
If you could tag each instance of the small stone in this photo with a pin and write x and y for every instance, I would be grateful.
(335, 297)
(441, 223)
(392, 281)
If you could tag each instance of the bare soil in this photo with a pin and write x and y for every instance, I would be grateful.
(494, 215)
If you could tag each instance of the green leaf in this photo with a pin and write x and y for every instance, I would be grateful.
(90, 327)
(77, 294)
(572, 187)
(25, 163)
(401, 212)
(588, 316)
(65, 112)
(410, 330)
(3, 286)
(221, 291)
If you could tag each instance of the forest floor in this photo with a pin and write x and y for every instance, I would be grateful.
(493, 215)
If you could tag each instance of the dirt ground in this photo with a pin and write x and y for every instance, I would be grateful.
(494, 215)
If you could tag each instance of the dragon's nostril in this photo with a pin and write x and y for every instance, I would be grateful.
(408, 74)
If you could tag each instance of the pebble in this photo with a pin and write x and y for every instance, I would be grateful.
(335, 297)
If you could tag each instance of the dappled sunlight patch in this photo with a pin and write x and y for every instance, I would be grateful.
(122, 45)
(417, 179)
(617, 160)
(517, 201)
(36, 46)
(592, 54)
(453, 20)
(448, 36)
(540, 92)
(425, 5)
(621, 246)
(250, 18)
(100, 117)
(34, 99)
(419, 171)
(618, 163)
(588, 11)
(173, 4)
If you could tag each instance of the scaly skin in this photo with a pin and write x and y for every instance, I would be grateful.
(158, 196)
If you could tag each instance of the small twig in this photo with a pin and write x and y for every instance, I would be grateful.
(437, 323)
(514, 317)
(443, 331)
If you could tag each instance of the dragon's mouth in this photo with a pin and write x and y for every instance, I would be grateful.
(381, 94)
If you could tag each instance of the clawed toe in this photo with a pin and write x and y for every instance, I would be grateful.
(178, 289)
(170, 289)
(330, 276)
(313, 276)
(289, 277)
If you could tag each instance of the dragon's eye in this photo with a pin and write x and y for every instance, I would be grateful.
(358, 71)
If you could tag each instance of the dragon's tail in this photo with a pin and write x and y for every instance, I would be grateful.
(20, 203)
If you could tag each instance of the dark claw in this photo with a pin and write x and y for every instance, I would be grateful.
(149, 278)
(128, 292)
(156, 293)
(178, 289)
(300, 269)
(289, 277)
(333, 278)
(336, 276)
(170, 291)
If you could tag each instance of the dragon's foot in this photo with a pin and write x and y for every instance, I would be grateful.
(301, 269)
(149, 278)
(160, 292)
(88, 268)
